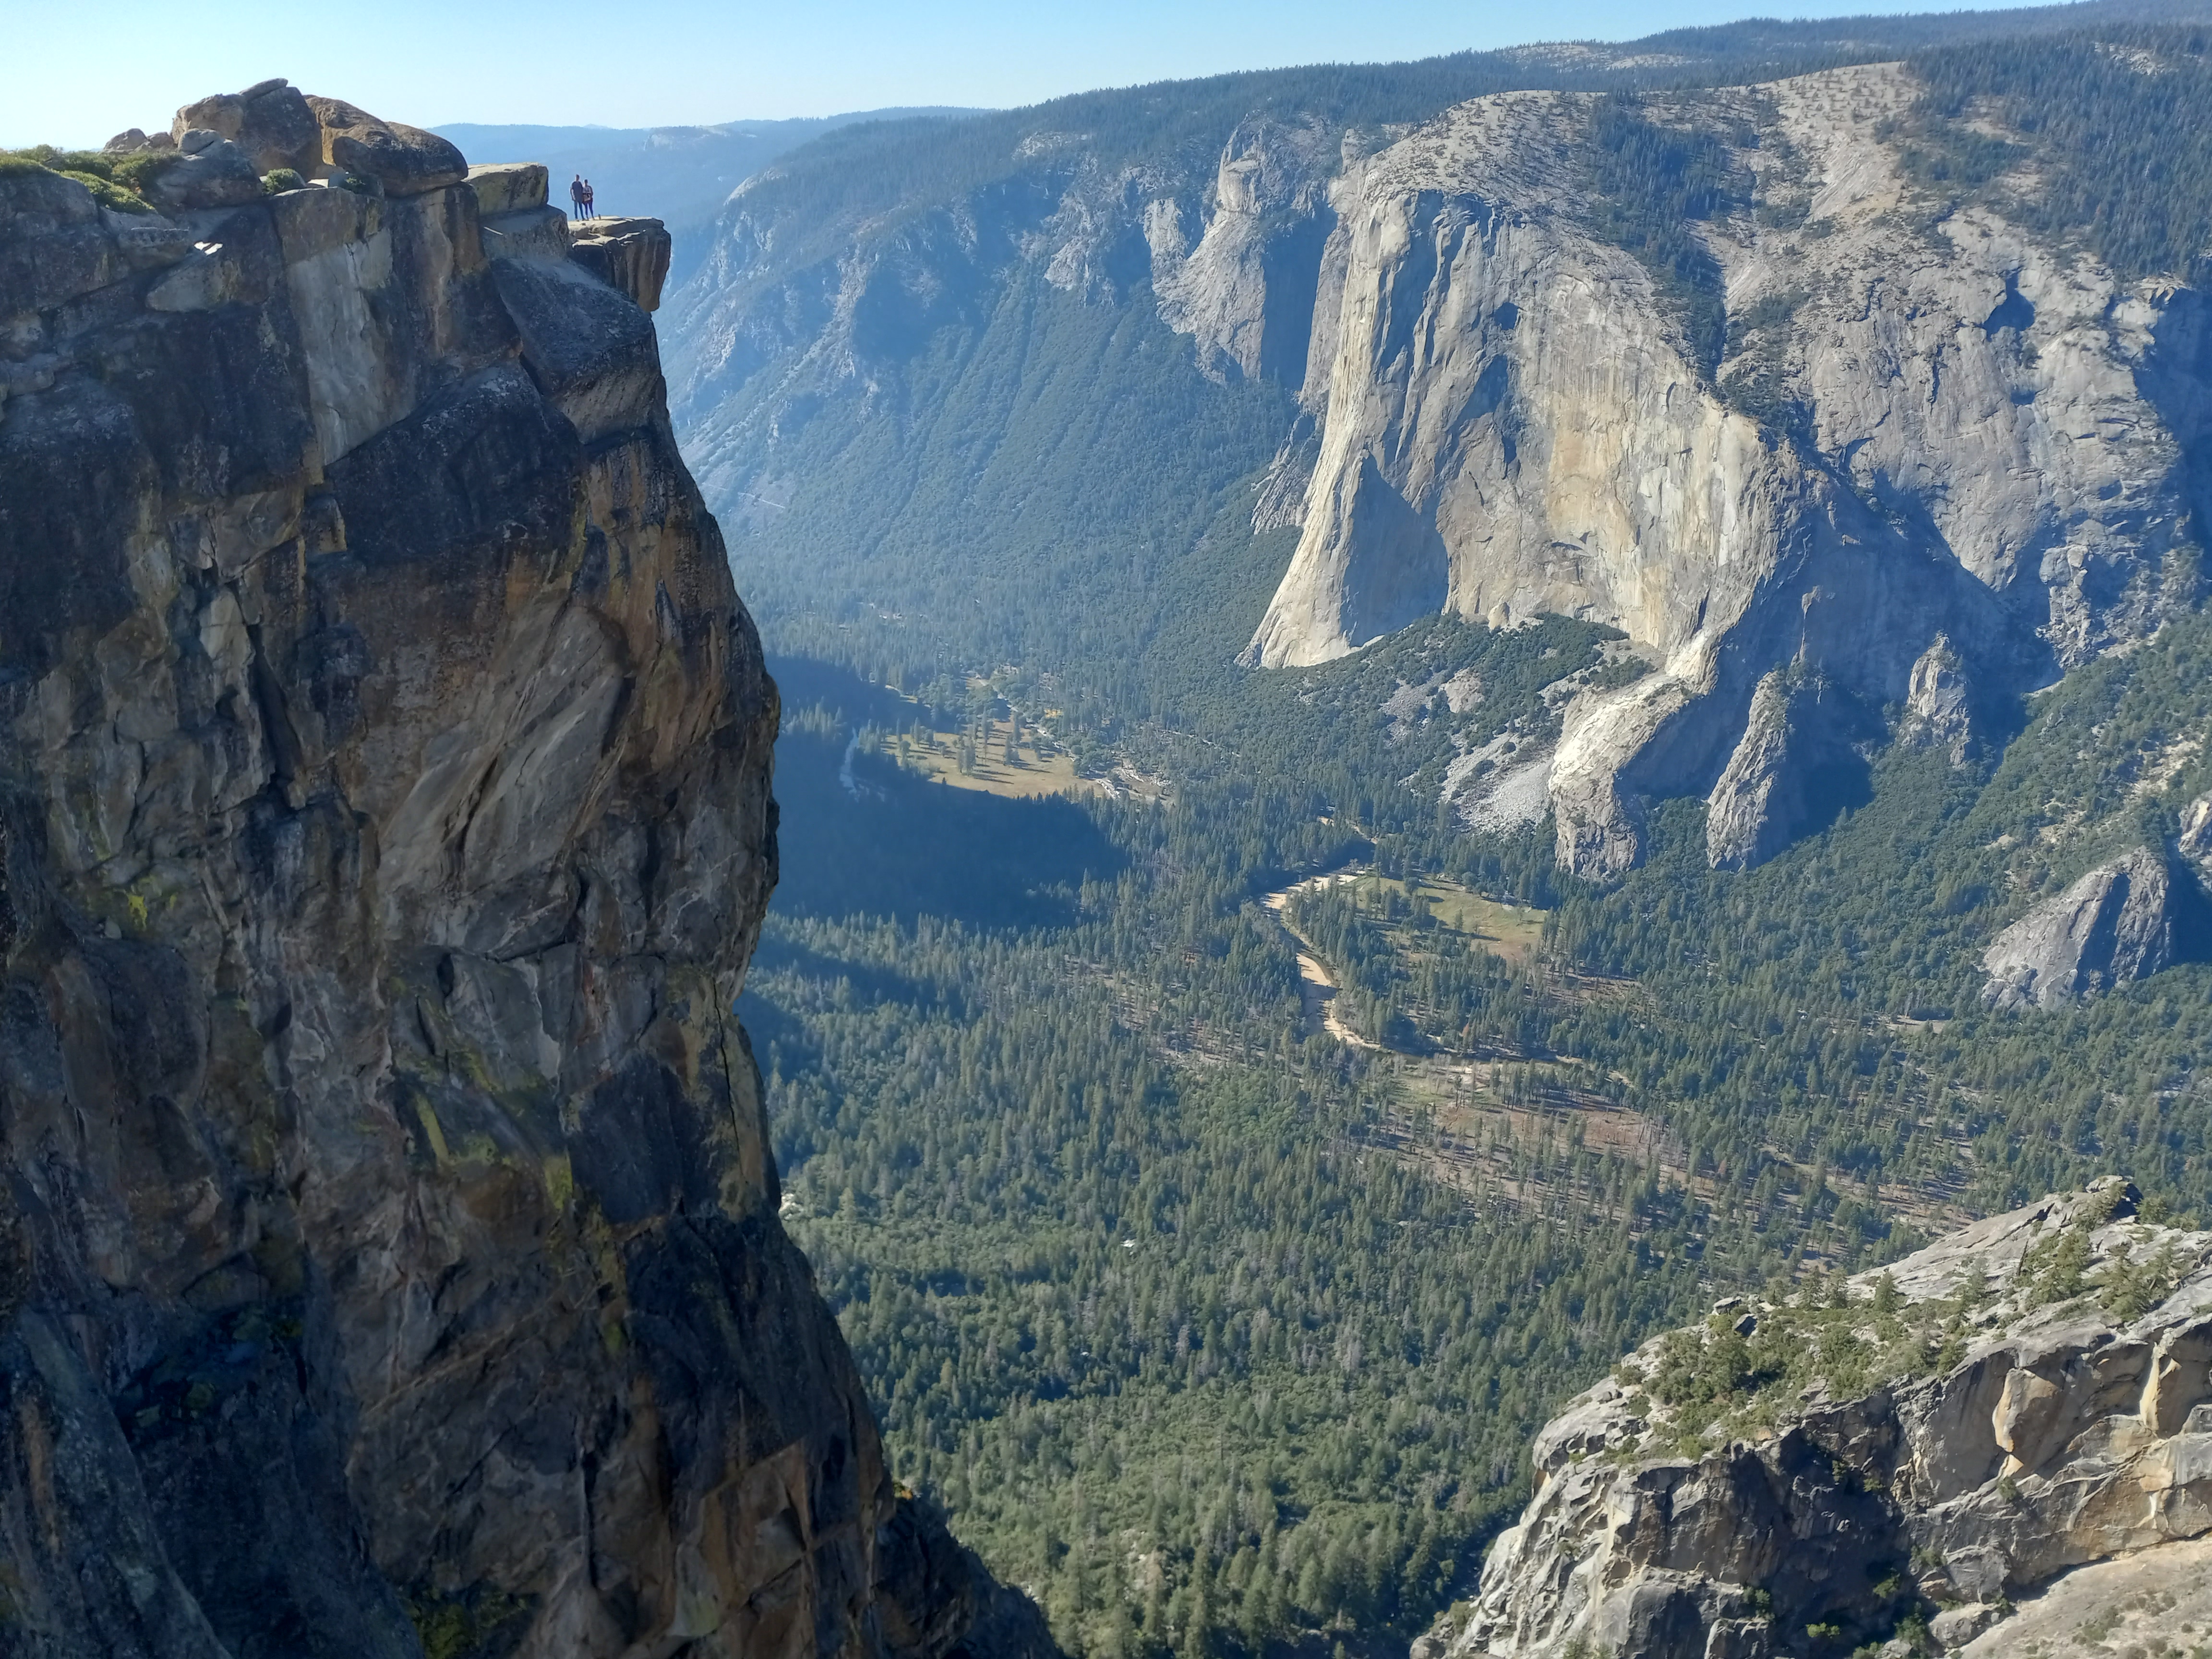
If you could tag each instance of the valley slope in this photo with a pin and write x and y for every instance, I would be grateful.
(1747, 527)
(1793, 380)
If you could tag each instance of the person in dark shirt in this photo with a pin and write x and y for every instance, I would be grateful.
(577, 197)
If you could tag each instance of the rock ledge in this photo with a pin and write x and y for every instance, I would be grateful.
(1902, 1457)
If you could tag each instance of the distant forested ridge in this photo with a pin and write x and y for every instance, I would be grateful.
(2111, 123)
(964, 423)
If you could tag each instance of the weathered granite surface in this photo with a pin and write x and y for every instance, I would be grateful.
(1796, 756)
(2030, 1395)
(2123, 921)
(2158, 1599)
(389, 1257)
(629, 254)
(1929, 425)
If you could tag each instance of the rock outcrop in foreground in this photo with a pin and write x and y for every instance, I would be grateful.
(389, 1258)
(1910, 1457)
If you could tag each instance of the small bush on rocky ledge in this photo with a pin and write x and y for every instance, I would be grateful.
(1739, 1374)
(2131, 1288)
(137, 173)
(95, 172)
(68, 161)
(2052, 1269)
(107, 192)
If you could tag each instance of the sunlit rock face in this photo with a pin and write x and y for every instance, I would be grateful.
(2061, 1418)
(1919, 434)
(2123, 921)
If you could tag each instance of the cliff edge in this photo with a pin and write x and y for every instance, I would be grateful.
(389, 1260)
(2014, 1421)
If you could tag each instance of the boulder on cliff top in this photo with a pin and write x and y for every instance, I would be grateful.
(406, 161)
(508, 186)
(270, 122)
(540, 232)
(132, 140)
(208, 171)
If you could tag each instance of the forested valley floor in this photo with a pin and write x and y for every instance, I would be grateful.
(1222, 1334)
(1218, 1306)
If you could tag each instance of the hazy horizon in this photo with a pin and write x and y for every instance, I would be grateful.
(686, 63)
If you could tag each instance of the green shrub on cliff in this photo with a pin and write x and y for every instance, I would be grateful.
(107, 192)
(137, 172)
(101, 175)
(54, 159)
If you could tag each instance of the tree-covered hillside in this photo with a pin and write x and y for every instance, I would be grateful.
(2109, 144)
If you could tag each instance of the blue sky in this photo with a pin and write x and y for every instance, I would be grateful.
(75, 74)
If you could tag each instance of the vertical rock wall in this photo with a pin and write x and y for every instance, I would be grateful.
(388, 1248)
(1929, 426)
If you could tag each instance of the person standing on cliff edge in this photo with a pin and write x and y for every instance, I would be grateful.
(576, 197)
(591, 203)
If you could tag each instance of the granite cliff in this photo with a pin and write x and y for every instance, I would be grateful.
(389, 1260)
(2013, 1424)
(1850, 451)
(1929, 433)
